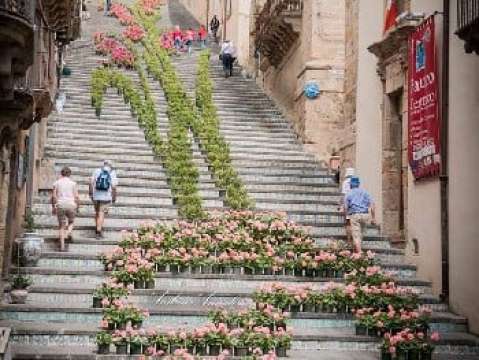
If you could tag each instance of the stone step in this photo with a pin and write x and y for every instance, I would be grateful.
(115, 212)
(148, 159)
(193, 316)
(211, 283)
(71, 352)
(392, 261)
(90, 246)
(113, 146)
(156, 298)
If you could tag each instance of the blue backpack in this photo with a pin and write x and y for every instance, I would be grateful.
(103, 181)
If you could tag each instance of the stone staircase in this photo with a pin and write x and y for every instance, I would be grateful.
(58, 321)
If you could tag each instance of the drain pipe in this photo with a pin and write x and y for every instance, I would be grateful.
(444, 176)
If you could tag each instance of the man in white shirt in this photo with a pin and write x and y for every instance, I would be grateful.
(102, 191)
(228, 56)
(65, 203)
(345, 189)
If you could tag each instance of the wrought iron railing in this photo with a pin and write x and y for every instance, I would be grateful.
(467, 14)
(20, 8)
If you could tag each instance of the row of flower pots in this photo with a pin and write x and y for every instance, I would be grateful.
(209, 350)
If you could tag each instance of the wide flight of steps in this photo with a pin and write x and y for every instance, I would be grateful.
(58, 321)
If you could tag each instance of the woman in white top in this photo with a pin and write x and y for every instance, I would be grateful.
(65, 203)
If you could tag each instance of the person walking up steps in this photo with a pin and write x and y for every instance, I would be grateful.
(102, 190)
(345, 189)
(214, 26)
(228, 57)
(360, 209)
(65, 203)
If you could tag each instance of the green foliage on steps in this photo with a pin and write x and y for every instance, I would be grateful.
(176, 152)
(202, 120)
(183, 173)
(206, 127)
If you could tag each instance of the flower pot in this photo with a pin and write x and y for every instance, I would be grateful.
(241, 351)
(161, 268)
(268, 271)
(295, 308)
(280, 351)
(29, 249)
(103, 349)
(135, 349)
(150, 284)
(195, 270)
(426, 354)
(361, 330)
(248, 271)
(385, 355)
(121, 349)
(309, 273)
(309, 308)
(206, 269)
(227, 270)
(19, 296)
(289, 272)
(97, 302)
(201, 351)
(222, 193)
(98, 112)
(111, 326)
(237, 270)
(214, 350)
(175, 269)
(139, 284)
(414, 355)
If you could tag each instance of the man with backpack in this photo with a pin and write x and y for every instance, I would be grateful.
(102, 190)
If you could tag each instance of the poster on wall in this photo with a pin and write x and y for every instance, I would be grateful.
(423, 103)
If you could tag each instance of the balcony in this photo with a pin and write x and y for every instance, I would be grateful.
(16, 42)
(468, 24)
(277, 29)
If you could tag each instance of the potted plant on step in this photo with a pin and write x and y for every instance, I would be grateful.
(19, 292)
(29, 246)
(103, 340)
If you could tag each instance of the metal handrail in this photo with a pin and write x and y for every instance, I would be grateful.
(20, 8)
(467, 14)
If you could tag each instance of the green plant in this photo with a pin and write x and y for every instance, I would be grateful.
(207, 129)
(21, 282)
(103, 338)
(29, 223)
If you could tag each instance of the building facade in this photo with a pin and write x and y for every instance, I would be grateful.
(274, 40)
(433, 217)
(362, 113)
(33, 35)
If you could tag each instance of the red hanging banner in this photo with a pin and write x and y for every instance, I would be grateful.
(423, 103)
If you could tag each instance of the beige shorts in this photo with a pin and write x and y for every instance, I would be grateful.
(102, 206)
(66, 216)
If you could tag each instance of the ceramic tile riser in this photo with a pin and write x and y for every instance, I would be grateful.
(58, 322)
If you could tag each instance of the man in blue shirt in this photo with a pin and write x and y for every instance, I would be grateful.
(359, 206)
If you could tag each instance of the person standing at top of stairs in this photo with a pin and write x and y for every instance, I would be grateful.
(103, 193)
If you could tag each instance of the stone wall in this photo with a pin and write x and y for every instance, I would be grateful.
(347, 137)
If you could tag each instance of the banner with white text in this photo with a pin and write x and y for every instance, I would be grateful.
(423, 103)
